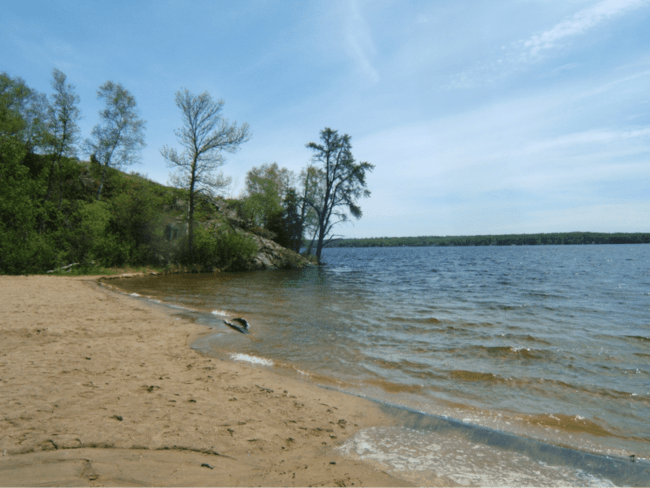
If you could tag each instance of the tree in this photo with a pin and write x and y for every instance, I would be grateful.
(344, 182)
(23, 113)
(273, 203)
(287, 225)
(311, 179)
(22, 250)
(11, 93)
(119, 136)
(266, 188)
(205, 136)
(63, 131)
(21, 129)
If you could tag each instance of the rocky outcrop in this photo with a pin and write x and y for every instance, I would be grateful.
(272, 255)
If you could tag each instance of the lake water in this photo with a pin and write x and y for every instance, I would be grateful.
(503, 365)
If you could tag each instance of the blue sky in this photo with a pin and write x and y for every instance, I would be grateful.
(481, 117)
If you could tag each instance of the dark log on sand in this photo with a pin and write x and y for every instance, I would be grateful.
(241, 325)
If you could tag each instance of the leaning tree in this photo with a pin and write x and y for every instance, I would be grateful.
(343, 183)
(118, 138)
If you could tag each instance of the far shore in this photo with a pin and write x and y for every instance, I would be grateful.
(100, 389)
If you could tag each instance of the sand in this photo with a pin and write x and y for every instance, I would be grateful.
(101, 389)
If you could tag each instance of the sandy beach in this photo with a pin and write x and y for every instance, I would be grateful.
(100, 389)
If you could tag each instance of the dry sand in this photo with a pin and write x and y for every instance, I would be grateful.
(97, 388)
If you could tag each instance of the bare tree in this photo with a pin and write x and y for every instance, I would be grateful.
(344, 182)
(205, 135)
(119, 136)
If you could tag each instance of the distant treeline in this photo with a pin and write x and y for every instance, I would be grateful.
(558, 238)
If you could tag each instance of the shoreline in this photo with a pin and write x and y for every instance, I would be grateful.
(504, 445)
(99, 389)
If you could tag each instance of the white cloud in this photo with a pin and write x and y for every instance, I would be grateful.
(590, 138)
(52, 52)
(532, 49)
(538, 47)
(360, 43)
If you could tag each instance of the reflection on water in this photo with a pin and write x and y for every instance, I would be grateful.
(547, 342)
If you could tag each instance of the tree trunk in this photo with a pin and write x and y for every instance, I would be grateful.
(50, 182)
(321, 240)
(324, 214)
(190, 228)
(190, 225)
(311, 243)
(101, 183)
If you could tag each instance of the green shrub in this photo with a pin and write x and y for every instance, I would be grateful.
(22, 248)
(267, 234)
(311, 258)
(137, 219)
(95, 240)
(222, 248)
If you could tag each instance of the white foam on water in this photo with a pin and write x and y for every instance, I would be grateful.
(135, 295)
(220, 312)
(178, 307)
(251, 359)
(422, 457)
(340, 269)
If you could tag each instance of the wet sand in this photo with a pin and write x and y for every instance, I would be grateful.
(100, 389)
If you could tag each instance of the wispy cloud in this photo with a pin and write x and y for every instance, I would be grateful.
(360, 43)
(533, 49)
(589, 138)
(525, 52)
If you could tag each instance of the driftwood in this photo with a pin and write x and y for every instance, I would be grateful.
(63, 267)
(240, 326)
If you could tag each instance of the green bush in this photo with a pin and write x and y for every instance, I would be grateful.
(265, 233)
(22, 248)
(137, 219)
(221, 248)
(95, 241)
